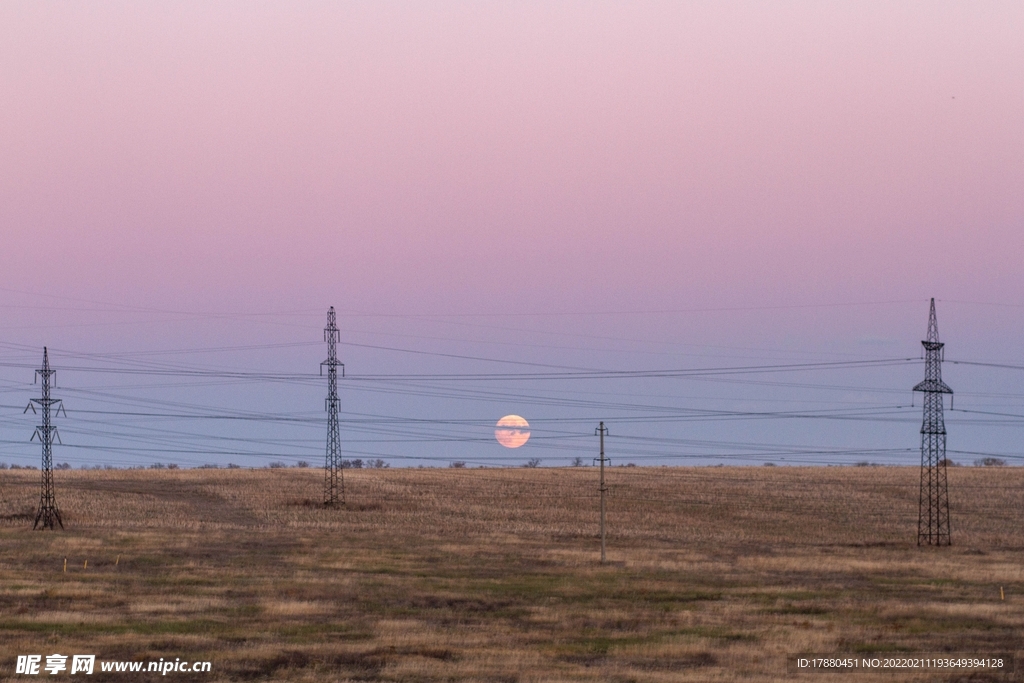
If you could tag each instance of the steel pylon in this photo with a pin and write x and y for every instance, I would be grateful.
(48, 516)
(933, 526)
(334, 480)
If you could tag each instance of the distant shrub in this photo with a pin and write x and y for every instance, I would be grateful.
(302, 463)
(62, 466)
(378, 464)
(990, 462)
(532, 462)
(630, 464)
(276, 465)
(577, 462)
(768, 464)
(949, 463)
(356, 464)
(154, 466)
(208, 466)
(458, 464)
(3, 466)
(172, 466)
(233, 466)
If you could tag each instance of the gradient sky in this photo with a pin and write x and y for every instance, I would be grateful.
(224, 159)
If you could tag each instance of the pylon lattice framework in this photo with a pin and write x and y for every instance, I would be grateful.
(334, 480)
(49, 514)
(933, 512)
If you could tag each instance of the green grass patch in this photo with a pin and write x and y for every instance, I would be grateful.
(92, 628)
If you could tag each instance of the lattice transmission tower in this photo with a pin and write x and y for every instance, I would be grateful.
(334, 479)
(49, 513)
(933, 512)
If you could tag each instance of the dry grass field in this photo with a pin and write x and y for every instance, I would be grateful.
(714, 574)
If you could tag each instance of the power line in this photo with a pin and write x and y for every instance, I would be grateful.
(646, 374)
(570, 375)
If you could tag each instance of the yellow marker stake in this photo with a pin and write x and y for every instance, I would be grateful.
(65, 565)
(1001, 595)
(86, 565)
(117, 560)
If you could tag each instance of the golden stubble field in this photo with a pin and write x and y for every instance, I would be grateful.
(714, 574)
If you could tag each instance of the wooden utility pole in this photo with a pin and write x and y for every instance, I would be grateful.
(602, 431)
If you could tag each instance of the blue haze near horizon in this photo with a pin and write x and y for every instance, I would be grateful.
(426, 389)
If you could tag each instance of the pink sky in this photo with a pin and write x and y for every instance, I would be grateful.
(546, 157)
(454, 157)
